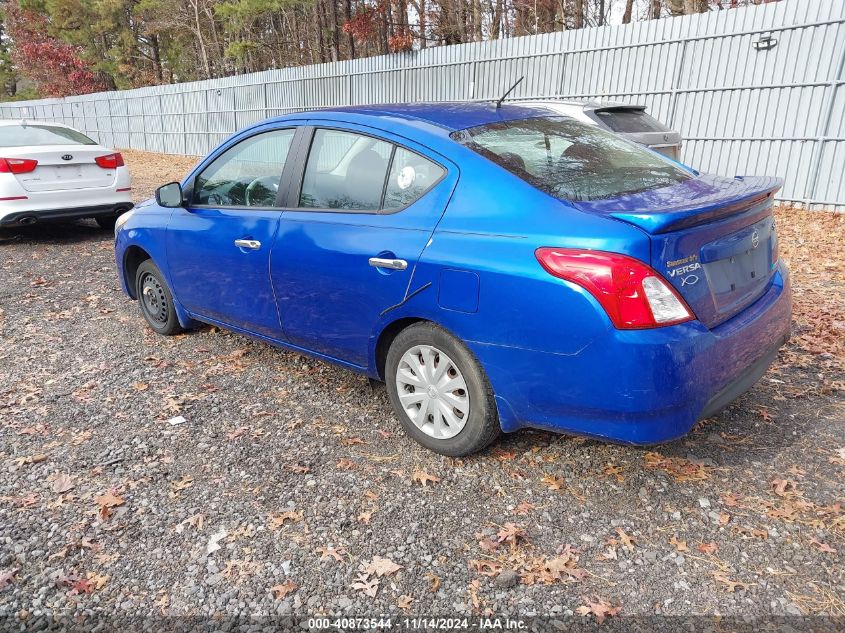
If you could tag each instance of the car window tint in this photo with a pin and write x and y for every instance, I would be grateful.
(246, 175)
(630, 121)
(31, 135)
(345, 171)
(569, 159)
(410, 177)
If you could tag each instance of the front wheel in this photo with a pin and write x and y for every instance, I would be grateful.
(440, 391)
(156, 300)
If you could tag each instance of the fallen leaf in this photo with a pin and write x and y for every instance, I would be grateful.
(434, 580)
(366, 585)
(598, 607)
(351, 441)
(730, 499)
(681, 546)
(380, 567)
(612, 470)
(280, 591)
(404, 602)
(503, 455)
(708, 548)
(554, 482)
(524, 508)
(83, 585)
(278, 520)
(783, 487)
(30, 459)
(486, 567)
(488, 545)
(365, 516)
(423, 478)
(98, 581)
(331, 552)
(345, 464)
(822, 547)
(511, 533)
(108, 501)
(729, 585)
(627, 541)
(296, 468)
(62, 483)
(182, 484)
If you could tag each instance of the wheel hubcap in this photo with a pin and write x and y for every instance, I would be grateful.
(153, 299)
(432, 391)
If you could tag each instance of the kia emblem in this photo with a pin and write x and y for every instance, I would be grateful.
(67, 157)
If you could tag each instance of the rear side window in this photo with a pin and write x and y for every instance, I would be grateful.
(411, 176)
(348, 171)
(247, 174)
(569, 159)
(24, 135)
(630, 121)
(345, 171)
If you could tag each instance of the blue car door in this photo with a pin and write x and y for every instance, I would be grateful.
(350, 236)
(219, 244)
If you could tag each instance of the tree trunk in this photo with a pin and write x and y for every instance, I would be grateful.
(629, 9)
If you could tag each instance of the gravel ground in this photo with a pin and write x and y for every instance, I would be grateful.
(290, 488)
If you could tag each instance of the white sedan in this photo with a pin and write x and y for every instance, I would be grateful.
(49, 171)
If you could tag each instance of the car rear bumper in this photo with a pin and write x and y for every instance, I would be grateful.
(641, 386)
(53, 215)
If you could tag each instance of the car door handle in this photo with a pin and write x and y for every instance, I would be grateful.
(393, 264)
(252, 245)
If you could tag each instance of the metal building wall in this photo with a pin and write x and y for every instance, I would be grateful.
(741, 110)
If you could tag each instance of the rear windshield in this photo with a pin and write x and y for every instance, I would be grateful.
(630, 121)
(569, 159)
(21, 135)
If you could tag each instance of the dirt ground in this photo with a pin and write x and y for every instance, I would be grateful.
(291, 490)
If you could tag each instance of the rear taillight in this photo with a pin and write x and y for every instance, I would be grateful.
(17, 165)
(633, 294)
(110, 161)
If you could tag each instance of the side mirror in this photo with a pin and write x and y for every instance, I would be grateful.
(169, 195)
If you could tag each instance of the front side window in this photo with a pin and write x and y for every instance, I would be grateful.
(246, 175)
(35, 135)
(569, 159)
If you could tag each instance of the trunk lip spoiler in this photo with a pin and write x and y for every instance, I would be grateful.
(693, 208)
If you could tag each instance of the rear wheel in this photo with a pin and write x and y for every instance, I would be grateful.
(156, 300)
(440, 392)
(106, 222)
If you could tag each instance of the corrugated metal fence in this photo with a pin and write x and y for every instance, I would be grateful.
(741, 107)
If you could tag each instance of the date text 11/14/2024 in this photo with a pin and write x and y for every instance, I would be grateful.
(418, 623)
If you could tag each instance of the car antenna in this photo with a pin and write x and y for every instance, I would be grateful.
(510, 90)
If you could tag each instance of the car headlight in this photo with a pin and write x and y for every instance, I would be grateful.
(121, 220)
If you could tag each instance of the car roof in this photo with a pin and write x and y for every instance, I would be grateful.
(446, 116)
(9, 122)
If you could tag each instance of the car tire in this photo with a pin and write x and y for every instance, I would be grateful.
(106, 222)
(427, 366)
(156, 300)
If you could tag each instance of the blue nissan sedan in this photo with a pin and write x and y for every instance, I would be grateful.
(497, 267)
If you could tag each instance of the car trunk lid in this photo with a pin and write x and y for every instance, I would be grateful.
(63, 167)
(712, 238)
